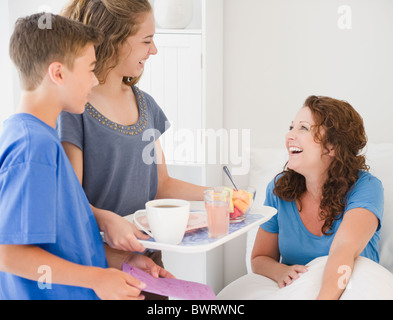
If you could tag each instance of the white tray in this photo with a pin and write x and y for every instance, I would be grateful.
(197, 241)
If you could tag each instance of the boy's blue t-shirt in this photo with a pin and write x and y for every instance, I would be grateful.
(297, 245)
(42, 203)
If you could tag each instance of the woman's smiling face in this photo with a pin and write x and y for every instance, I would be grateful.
(306, 156)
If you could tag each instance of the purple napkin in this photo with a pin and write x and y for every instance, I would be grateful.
(174, 288)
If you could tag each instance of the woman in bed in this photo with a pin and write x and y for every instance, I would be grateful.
(327, 203)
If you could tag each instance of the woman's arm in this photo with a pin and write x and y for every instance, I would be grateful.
(75, 155)
(173, 188)
(356, 230)
(265, 259)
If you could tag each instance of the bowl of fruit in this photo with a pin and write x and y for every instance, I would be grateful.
(240, 203)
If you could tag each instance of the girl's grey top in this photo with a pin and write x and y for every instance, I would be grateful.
(119, 162)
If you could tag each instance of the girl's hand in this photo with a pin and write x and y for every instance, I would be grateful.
(119, 233)
(146, 264)
(290, 274)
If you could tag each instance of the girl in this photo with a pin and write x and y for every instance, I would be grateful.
(113, 146)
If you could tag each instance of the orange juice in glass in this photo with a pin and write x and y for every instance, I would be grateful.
(217, 208)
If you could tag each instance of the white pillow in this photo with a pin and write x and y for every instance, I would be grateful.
(379, 157)
(265, 164)
(369, 281)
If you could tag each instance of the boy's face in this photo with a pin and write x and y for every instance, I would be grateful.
(80, 81)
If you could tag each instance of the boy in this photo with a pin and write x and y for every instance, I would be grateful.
(50, 245)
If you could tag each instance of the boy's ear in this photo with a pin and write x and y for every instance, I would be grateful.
(56, 72)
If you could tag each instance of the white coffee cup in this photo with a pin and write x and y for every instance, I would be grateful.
(168, 219)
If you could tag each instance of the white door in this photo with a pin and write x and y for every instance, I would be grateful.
(174, 79)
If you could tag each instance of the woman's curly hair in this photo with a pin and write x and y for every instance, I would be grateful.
(337, 125)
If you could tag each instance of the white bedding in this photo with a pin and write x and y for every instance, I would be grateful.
(369, 281)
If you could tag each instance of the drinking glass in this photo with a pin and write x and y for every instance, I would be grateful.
(217, 208)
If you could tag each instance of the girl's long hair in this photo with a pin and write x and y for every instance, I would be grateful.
(343, 129)
(117, 19)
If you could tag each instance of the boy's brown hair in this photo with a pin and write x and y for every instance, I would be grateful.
(43, 38)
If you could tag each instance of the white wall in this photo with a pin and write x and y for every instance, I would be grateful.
(278, 52)
(7, 104)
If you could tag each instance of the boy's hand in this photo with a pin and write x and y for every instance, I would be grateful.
(113, 284)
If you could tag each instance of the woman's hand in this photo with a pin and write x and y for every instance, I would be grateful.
(288, 274)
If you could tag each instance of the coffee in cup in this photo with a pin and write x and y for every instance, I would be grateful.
(168, 219)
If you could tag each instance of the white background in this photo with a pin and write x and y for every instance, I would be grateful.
(276, 53)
